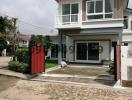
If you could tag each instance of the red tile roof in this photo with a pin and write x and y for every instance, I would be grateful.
(23, 36)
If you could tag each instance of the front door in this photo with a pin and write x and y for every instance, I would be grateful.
(87, 52)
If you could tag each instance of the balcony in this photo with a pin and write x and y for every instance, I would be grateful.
(74, 21)
(68, 21)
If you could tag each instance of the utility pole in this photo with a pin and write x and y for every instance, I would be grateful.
(14, 37)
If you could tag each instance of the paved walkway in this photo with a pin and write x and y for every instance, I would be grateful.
(4, 70)
(4, 61)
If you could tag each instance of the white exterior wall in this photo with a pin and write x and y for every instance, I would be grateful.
(105, 55)
(127, 33)
(125, 63)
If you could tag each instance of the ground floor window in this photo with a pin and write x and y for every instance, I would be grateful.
(63, 51)
(54, 51)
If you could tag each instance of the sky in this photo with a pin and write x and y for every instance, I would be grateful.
(35, 16)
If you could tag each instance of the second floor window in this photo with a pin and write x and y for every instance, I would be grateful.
(99, 9)
(70, 12)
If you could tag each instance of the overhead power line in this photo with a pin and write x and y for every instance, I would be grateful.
(36, 26)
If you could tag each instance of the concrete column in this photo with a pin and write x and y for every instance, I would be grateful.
(119, 42)
(60, 48)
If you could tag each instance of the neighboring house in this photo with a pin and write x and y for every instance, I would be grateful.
(92, 29)
(23, 40)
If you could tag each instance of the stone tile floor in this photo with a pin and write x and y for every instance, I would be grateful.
(35, 90)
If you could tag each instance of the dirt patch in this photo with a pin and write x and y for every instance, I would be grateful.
(81, 71)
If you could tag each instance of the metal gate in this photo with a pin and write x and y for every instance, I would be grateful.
(37, 59)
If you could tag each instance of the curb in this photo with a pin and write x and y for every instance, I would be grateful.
(15, 74)
(77, 76)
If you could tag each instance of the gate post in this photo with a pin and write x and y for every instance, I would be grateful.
(37, 59)
(118, 63)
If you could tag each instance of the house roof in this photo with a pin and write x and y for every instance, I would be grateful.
(23, 36)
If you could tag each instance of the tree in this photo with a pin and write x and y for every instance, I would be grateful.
(41, 40)
(7, 25)
(3, 43)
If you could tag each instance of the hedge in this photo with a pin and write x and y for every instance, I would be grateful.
(23, 55)
(18, 67)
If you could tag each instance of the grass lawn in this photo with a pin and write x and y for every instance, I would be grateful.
(51, 63)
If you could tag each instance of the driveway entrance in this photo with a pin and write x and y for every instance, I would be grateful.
(82, 74)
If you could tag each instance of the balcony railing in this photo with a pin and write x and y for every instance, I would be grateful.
(67, 19)
(76, 21)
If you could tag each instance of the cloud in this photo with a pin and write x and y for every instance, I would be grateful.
(40, 13)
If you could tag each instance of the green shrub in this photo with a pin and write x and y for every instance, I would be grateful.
(22, 55)
(18, 67)
(10, 49)
(111, 66)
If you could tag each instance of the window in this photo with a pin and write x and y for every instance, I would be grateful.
(99, 9)
(54, 51)
(125, 22)
(24, 41)
(70, 9)
(66, 9)
(125, 44)
(74, 8)
(70, 13)
(63, 51)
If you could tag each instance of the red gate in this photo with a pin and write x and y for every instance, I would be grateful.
(37, 59)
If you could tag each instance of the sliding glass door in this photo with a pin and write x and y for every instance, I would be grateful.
(93, 51)
(87, 52)
(81, 51)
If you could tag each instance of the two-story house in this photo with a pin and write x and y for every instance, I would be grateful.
(92, 29)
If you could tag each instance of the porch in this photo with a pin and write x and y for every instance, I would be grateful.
(94, 46)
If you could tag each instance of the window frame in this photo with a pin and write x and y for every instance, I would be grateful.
(127, 22)
(103, 13)
(70, 8)
(70, 15)
(54, 54)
